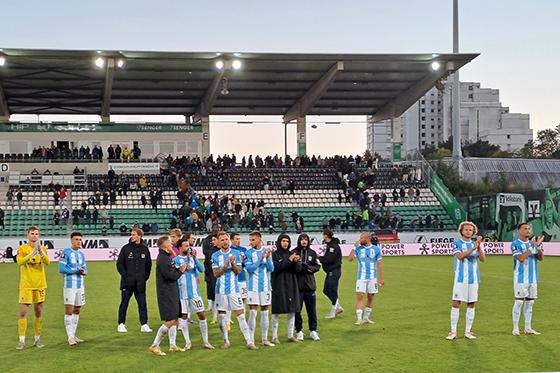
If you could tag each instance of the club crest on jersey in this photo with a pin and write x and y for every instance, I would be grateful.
(130, 255)
(143, 256)
(309, 258)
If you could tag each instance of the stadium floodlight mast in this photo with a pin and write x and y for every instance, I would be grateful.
(120, 63)
(435, 66)
(219, 64)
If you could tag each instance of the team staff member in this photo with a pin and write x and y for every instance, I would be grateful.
(307, 286)
(31, 258)
(134, 265)
(332, 265)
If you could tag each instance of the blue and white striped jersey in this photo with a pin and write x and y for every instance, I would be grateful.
(242, 276)
(259, 270)
(68, 265)
(466, 269)
(526, 272)
(188, 282)
(227, 283)
(367, 256)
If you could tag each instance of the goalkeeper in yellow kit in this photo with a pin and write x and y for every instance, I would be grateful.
(31, 258)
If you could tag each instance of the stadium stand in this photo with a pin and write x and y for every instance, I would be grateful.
(311, 194)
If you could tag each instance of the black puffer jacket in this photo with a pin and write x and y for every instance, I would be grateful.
(134, 265)
(309, 265)
(332, 260)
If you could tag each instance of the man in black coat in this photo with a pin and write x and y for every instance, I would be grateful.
(332, 265)
(285, 289)
(134, 265)
(307, 286)
(167, 295)
(209, 247)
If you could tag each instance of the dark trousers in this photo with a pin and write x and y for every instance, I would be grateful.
(330, 289)
(210, 287)
(308, 298)
(126, 294)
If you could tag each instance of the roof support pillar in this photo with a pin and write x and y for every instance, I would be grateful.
(301, 137)
(205, 120)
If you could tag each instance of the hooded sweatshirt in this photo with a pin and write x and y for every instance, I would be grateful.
(309, 265)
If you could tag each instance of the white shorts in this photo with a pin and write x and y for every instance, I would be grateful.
(74, 297)
(243, 289)
(367, 286)
(231, 302)
(525, 291)
(465, 292)
(194, 305)
(259, 298)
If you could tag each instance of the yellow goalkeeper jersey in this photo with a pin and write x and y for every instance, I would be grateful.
(32, 268)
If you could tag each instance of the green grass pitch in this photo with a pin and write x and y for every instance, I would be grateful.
(411, 315)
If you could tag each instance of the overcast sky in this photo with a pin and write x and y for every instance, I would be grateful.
(518, 41)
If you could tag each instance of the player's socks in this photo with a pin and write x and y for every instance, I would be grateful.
(275, 319)
(159, 336)
(367, 313)
(184, 326)
(264, 325)
(454, 319)
(244, 328)
(516, 313)
(252, 321)
(528, 311)
(38, 326)
(210, 303)
(172, 335)
(22, 329)
(214, 311)
(203, 325)
(470, 320)
(75, 319)
(223, 327)
(359, 314)
(69, 325)
(228, 315)
(291, 323)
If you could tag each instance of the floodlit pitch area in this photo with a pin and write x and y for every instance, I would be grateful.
(411, 320)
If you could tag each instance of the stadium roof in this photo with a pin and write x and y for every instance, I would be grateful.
(292, 85)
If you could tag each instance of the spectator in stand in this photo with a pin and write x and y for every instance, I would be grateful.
(95, 216)
(136, 152)
(19, 197)
(154, 228)
(395, 195)
(123, 229)
(65, 216)
(76, 171)
(110, 152)
(383, 199)
(146, 228)
(34, 172)
(143, 200)
(10, 198)
(56, 198)
(62, 194)
(410, 194)
(56, 218)
(111, 222)
(292, 186)
(402, 194)
(127, 154)
(142, 182)
(417, 191)
(118, 152)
